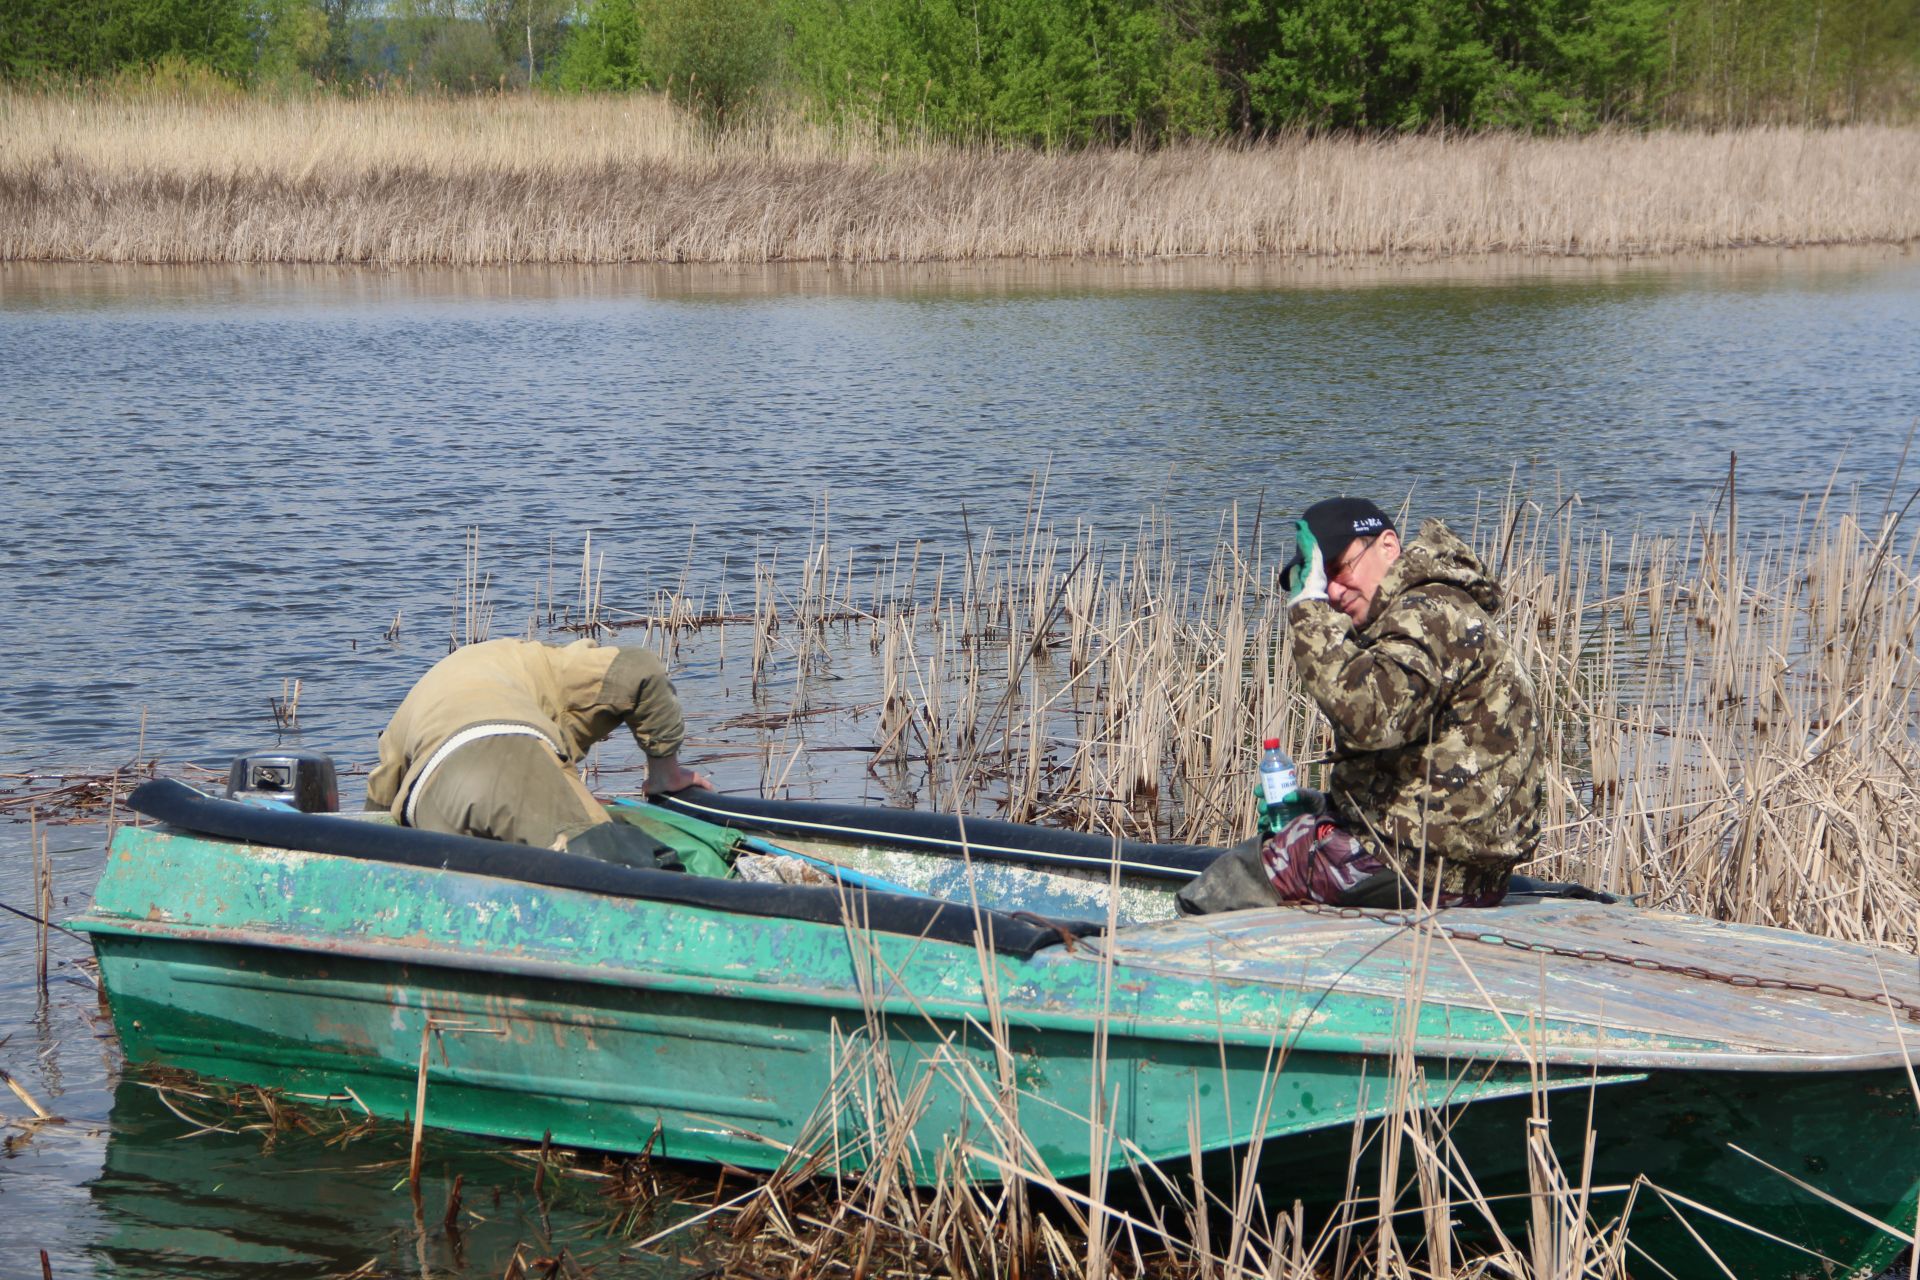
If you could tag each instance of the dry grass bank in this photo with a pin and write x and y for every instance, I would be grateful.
(576, 180)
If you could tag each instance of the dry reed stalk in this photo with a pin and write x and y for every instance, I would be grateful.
(588, 591)
(970, 1228)
(416, 1147)
(476, 592)
(286, 707)
(536, 179)
(430, 1031)
(42, 897)
(20, 1092)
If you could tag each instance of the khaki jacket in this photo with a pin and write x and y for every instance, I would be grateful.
(1437, 736)
(575, 695)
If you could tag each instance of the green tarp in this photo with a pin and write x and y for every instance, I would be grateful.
(704, 849)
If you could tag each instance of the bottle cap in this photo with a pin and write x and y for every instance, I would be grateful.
(1271, 744)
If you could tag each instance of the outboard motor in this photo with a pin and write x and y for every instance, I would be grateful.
(303, 780)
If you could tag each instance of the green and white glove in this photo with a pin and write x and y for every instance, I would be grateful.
(1305, 577)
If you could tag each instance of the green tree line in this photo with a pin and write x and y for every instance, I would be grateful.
(1060, 72)
(456, 45)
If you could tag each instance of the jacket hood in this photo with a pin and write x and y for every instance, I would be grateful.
(1437, 556)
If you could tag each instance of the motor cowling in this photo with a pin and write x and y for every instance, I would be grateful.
(303, 780)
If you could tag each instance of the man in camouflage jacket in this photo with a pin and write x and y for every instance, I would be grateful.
(1438, 778)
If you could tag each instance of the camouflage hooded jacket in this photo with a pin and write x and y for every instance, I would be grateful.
(1437, 740)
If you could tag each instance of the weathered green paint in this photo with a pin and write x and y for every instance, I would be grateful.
(615, 1016)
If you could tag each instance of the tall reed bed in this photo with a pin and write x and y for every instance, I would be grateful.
(1738, 714)
(1731, 711)
(533, 179)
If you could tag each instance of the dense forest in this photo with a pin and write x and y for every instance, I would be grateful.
(1055, 72)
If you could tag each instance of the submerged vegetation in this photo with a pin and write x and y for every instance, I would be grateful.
(393, 180)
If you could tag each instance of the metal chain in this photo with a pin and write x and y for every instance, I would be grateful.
(1908, 1008)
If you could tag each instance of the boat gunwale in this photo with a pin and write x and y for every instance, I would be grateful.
(183, 810)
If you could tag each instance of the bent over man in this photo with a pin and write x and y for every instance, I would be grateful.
(1437, 781)
(488, 743)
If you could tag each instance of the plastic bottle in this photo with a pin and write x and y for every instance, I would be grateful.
(1279, 787)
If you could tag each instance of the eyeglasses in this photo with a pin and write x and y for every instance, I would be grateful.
(1351, 561)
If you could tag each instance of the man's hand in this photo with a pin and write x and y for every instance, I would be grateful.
(666, 773)
(1305, 576)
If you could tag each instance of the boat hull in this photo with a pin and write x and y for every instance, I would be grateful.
(625, 1023)
(720, 1078)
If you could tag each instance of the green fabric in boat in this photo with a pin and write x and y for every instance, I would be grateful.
(704, 849)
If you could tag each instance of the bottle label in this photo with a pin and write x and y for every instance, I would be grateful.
(1278, 784)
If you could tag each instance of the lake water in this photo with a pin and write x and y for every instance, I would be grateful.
(216, 481)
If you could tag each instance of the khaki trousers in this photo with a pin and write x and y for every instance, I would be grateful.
(510, 787)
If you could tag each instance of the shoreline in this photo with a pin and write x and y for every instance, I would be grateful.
(31, 281)
(605, 181)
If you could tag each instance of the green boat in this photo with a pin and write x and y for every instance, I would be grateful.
(1740, 1084)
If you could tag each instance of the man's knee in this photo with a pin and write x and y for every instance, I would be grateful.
(1312, 859)
(1234, 881)
(1316, 859)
